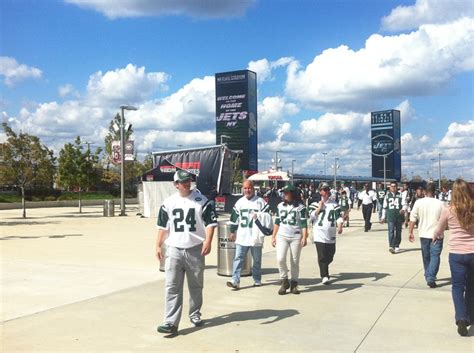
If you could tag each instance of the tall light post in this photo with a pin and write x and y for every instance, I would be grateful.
(122, 158)
(439, 171)
(276, 160)
(335, 166)
(324, 156)
(292, 170)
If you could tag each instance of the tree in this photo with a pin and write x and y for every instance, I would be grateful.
(78, 169)
(26, 163)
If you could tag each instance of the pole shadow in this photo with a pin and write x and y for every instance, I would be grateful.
(311, 285)
(270, 315)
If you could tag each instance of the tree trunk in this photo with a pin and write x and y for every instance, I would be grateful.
(80, 203)
(23, 202)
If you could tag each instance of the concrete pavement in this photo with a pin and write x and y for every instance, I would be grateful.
(75, 282)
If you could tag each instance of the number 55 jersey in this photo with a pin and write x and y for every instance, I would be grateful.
(324, 223)
(186, 219)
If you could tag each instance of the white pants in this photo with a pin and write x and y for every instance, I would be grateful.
(283, 243)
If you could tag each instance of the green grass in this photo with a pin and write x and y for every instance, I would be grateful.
(9, 198)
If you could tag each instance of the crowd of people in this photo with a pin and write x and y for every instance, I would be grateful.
(186, 222)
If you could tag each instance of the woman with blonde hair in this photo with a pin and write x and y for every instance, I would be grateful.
(459, 218)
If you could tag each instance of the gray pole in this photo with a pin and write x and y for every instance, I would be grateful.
(439, 170)
(335, 172)
(122, 165)
(324, 155)
(384, 172)
(292, 170)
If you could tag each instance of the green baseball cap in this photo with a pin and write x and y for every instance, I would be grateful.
(289, 188)
(181, 175)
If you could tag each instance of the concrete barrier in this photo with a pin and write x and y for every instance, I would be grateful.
(63, 203)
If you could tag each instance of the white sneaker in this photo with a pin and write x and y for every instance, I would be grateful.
(233, 285)
(257, 284)
(397, 250)
(325, 280)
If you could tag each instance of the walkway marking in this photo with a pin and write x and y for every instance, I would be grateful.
(385, 309)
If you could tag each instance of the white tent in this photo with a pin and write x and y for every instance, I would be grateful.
(270, 175)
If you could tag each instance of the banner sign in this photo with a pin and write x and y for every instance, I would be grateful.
(129, 151)
(236, 114)
(385, 127)
(220, 203)
(203, 163)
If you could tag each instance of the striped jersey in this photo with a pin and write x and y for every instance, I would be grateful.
(324, 223)
(241, 219)
(186, 219)
(291, 219)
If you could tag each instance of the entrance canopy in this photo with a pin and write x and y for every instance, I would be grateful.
(270, 175)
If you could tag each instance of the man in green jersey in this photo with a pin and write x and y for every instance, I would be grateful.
(393, 212)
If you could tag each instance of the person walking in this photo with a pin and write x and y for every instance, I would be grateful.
(290, 232)
(426, 211)
(407, 195)
(345, 204)
(187, 221)
(445, 195)
(325, 217)
(393, 212)
(381, 192)
(241, 224)
(366, 198)
(459, 217)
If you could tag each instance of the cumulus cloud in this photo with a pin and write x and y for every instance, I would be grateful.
(67, 90)
(426, 11)
(194, 8)
(272, 111)
(264, 68)
(387, 67)
(14, 72)
(126, 85)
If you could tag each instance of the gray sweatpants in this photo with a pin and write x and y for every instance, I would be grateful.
(283, 243)
(180, 262)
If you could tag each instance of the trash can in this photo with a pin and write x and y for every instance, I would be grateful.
(226, 253)
(163, 259)
(109, 208)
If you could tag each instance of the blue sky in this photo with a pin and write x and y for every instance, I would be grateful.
(323, 66)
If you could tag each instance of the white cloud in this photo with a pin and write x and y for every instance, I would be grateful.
(387, 67)
(195, 8)
(459, 135)
(407, 112)
(123, 86)
(67, 90)
(264, 68)
(426, 11)
(14, 72)
(169, 140)
(271, 113)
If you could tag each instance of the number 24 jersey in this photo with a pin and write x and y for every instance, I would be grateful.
(186, 219)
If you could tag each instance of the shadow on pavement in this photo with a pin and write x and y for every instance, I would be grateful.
(312, 285)
(25, 222)
(56, 236)
(408, 250)
(270, 314)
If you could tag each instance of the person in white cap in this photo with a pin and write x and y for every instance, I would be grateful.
(187, 221)
(326, 218)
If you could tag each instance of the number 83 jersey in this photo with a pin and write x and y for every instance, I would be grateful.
(324, 223)
(186, 219)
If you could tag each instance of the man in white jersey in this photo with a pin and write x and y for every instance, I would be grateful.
(242, 221)
(325, 217)
(187, 221)
(445, 195)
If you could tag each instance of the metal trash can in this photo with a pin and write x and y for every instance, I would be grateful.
(226, 253)
(109, 208)
(163, 259)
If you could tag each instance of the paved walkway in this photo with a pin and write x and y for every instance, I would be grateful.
(75, 282)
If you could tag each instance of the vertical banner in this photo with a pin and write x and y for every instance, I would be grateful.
(115, 147)
(385, 127)
(129, 154)
(236, 114)
(129, 151)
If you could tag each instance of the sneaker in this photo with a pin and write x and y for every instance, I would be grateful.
(257, 284)
(285, 284)
(325, 280)
(168, 329)
(233, 285)
(196, 321)
(432, 284)
(462, 327)
(397, 249)
(294, 287)
(392, 250)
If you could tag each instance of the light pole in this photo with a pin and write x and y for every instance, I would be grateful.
(276, 160)
(225, 137)
(324, 156)
(122, 158)
(385, 172)
(335, 166)
(292, 170)
(439, 171)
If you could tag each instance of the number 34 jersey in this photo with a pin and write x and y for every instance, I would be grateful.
(186, 219)
(324, 224)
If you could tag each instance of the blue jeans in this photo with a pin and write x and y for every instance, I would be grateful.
(462, 278)
(395, 233)
(431, 253)
(240, 254)
(379, 209)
